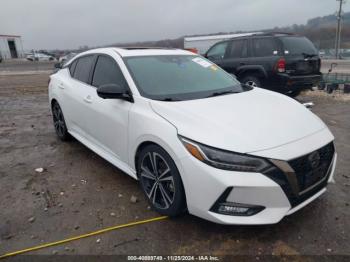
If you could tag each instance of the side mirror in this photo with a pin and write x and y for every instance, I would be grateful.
(58, 65)
(114, 91)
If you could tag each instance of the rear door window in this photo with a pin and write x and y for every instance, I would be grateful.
(265, 47)
(83, 68)
(107, 72)
(218, 51)
(238, 49)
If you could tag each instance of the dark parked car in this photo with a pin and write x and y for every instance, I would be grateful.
(281, 62)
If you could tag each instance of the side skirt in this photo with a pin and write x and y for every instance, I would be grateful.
(104, 154)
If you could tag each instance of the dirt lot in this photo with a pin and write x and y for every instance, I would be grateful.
(21, 65)
(80, 192)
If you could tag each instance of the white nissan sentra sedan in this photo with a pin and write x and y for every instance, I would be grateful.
(194, 137)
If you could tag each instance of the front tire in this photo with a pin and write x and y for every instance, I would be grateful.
(160, 181)
(59, 122)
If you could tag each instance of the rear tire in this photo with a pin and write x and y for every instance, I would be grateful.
(160, 181)
(59, 122)
(252, 81)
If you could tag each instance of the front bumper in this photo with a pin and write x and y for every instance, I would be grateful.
(204, 185)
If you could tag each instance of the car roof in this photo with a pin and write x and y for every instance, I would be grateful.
(138, 51)
(215, 37)
(259, 35)
(263, 35)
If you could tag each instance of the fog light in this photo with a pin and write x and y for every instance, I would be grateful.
(237, 209)
(232, 209)
(221, 206)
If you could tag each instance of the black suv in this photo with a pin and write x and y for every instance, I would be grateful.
(281, 62)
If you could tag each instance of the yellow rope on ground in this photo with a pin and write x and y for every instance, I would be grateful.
(82, 236)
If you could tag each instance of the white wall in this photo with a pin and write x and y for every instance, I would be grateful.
(5, 50)
(202, 45)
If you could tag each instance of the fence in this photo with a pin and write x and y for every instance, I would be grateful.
(335, 82)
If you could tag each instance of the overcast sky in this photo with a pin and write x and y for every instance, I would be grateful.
(73, 23)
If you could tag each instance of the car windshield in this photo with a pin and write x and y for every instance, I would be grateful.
(180, 77)
(296, 45)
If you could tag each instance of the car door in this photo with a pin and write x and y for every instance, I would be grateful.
(236, 56)
(266, 53)
(75, 96)
(108, 118)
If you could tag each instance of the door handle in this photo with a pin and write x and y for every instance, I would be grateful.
(241, 63)
(60, 85)
(88, 99)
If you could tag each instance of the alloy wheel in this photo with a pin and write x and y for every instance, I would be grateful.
(58, 120)
(251, 83)
(157, 180)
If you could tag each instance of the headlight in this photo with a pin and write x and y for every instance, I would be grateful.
(225, 159)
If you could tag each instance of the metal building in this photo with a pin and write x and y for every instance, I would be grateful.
(11, 47)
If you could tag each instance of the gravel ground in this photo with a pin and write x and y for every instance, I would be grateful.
(22, 65)
(80, 192)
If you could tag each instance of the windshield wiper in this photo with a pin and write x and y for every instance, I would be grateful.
(222, 93)
(308, 55)
(169, 99)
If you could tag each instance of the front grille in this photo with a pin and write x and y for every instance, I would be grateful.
(311, 173)
(311, 168)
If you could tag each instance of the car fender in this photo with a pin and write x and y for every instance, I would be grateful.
(149, 138)
(141, 131)
(257, 69)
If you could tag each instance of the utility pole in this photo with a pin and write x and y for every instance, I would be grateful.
(338, 33)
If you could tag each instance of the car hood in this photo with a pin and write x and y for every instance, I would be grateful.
(245, 122)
